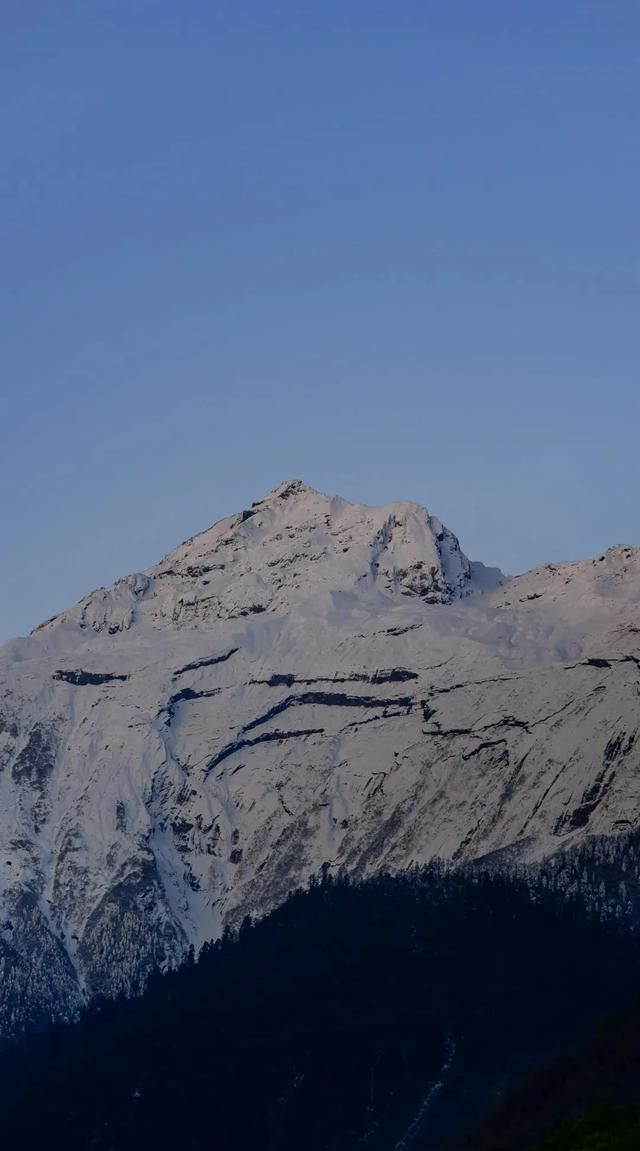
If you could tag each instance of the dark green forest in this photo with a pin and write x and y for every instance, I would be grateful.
(384, 1016)
(606, 1128)
(604, 1067)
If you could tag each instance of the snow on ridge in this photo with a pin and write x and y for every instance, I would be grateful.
(292, 543)
(307, 682)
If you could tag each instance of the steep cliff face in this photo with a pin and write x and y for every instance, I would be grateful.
(309, 682)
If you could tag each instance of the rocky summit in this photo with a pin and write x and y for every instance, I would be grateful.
(308, 683)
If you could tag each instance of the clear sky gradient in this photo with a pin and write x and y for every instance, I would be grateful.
(391, 248)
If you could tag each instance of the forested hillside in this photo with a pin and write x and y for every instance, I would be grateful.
(605, 1069)
(606, 1128)
(390, 1014)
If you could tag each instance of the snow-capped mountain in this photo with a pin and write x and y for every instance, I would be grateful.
(310, 682)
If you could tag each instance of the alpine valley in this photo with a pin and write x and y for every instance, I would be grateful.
(310, 684)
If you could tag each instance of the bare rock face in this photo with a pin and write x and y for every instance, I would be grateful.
(308, 683)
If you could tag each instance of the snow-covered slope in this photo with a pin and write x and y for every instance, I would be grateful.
(309, 682)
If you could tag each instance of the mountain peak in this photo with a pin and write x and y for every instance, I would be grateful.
(308, 681)
(297, 542)
(289, 488)
(294, 544)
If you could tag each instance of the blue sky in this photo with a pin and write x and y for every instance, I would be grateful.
(390, 248)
